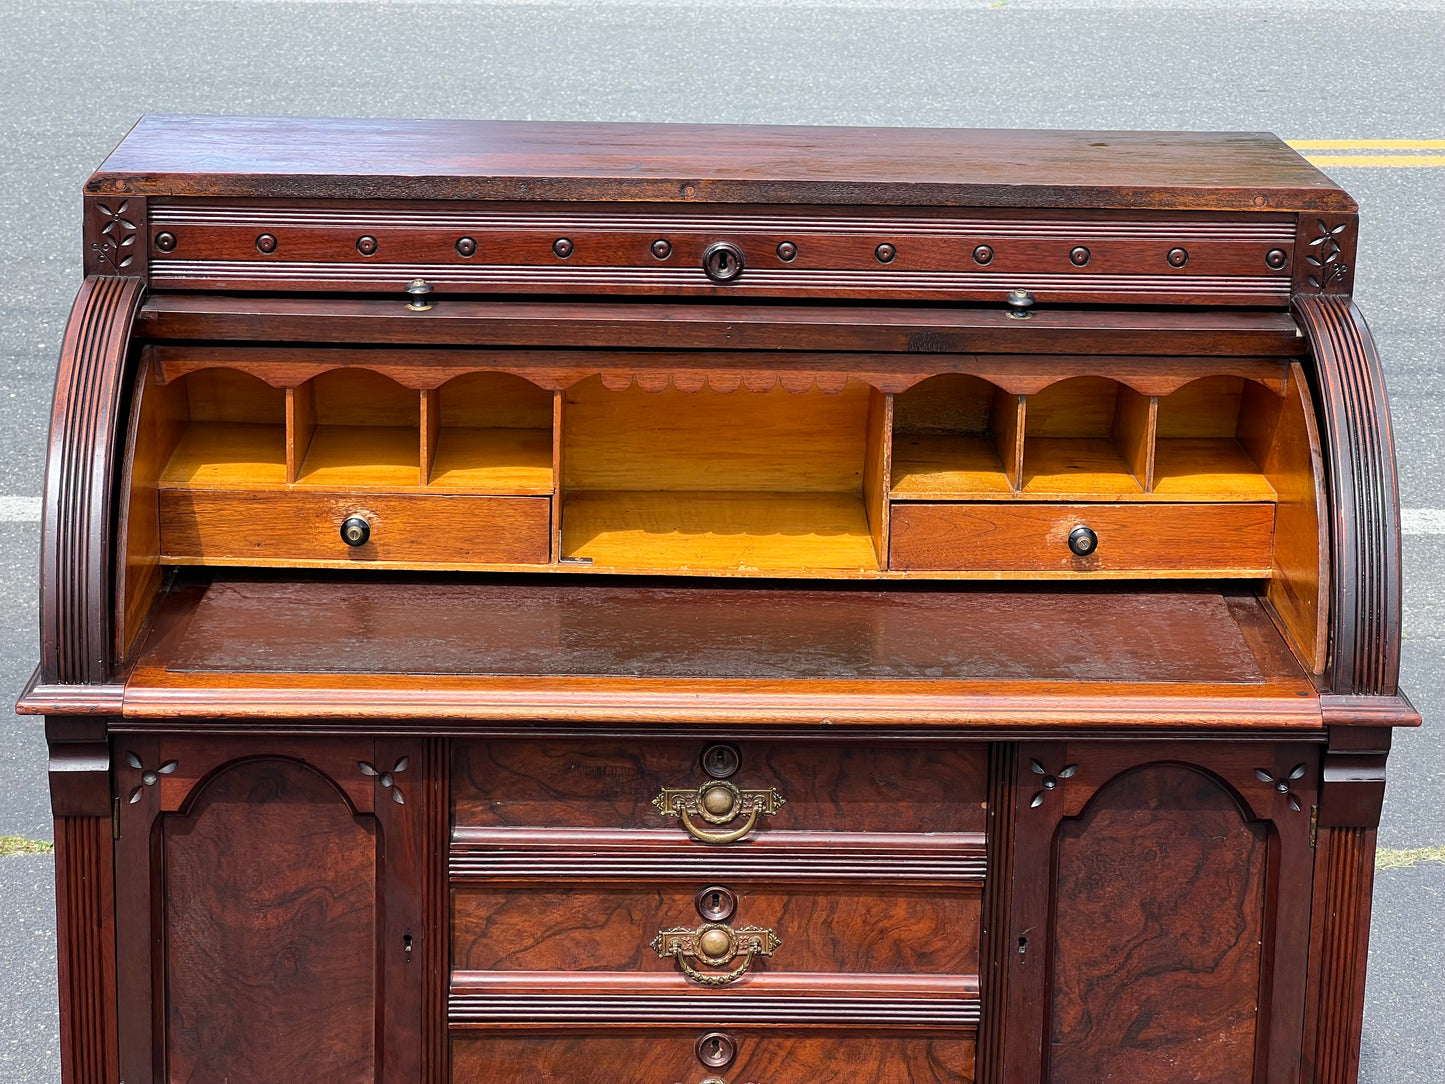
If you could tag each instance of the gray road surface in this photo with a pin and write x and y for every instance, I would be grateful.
(75, 75)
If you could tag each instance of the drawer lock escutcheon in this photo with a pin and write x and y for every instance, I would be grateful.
(718, 802)
(716, 945)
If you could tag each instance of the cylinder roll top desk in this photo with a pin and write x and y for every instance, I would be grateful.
(681, 604)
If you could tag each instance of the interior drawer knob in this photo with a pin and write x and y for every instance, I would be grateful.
(355, 531)
(718, 802)
(1083, 541)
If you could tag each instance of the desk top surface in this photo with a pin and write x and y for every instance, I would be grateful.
(241, 157)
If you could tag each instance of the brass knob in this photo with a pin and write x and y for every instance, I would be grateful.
(720, 800)
(419, 295)
(715, 942)
(1019, 303)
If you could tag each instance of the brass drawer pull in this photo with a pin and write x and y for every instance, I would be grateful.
(718, 802)
(717, 945)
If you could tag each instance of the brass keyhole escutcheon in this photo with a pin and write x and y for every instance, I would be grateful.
(720, 760)
(722, 262)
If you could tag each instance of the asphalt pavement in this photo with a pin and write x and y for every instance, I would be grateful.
(75, 76)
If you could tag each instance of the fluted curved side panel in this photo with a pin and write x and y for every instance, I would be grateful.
(85, 430)
(1364, 496)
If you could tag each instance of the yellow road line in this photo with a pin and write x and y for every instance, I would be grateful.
(1367, 144)
(1426, 160)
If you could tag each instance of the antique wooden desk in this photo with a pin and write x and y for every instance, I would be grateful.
(675, 604)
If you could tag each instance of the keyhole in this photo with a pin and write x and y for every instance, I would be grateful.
(716, 1046)
(406, 945)
(716, 903)
(723, 262)
(720, 760)
(1023, 946)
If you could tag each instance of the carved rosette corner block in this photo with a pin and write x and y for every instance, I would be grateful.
(387, 779)
(116, 235)
(149, 777)
(1284, 785)
(1048, 781)
(1325, 254)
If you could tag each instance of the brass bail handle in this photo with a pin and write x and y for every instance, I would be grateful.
(717, 945)
(718, 802)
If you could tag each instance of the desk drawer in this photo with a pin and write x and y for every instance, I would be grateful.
(1215, 540)
(823, 787)
(677, 1057)
(415, 530)
(877, 929)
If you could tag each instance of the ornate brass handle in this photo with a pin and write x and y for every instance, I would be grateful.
(718, 802)
(717, 945)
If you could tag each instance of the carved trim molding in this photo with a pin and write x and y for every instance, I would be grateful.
(997, 909)
(1324, 251)
(116, 236)
(80, 476)
(84, 872)
(1365, 530)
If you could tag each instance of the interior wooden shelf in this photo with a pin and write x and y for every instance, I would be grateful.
(740, 531)
(501, 462)
(1077, 468)
(227, 455)
(946, 466)
(1207, 469)
(362, 457)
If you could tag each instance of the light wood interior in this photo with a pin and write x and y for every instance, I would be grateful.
(231, 433)
(1072, 446)
(492, 433)
(1201, 453)
(955, 437)
(366, 432)
(729, 481)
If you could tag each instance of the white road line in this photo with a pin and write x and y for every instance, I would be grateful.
(19, 509)
(1412, 520)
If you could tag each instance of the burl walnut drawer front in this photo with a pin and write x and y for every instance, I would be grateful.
(761, 787)
(877, 929)
(736, 1055)
(303, 525)
(1168, 539)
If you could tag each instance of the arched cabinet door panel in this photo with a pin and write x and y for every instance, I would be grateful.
(1159, 912)
(284, 906)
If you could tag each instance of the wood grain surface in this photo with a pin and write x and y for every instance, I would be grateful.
(829, 788)
(1159, 905)
(772, 1056)
(271, 930)
(823, 928)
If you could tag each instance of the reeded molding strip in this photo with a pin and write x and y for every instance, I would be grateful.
(86, 428)
(479, 855)
(1365, 529)
(552, 999)
(684, 220)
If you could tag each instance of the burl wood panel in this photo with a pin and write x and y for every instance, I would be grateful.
(1216, 540)
(270, 932)
(829, 788)
(1159, 914)
(670, 1057)
(823, 928)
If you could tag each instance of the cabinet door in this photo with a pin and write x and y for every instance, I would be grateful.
(271, 919)
(1158, 913)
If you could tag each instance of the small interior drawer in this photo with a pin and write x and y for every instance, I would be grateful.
(1214, 540)
(304, 525)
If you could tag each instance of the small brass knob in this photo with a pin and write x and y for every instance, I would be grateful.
(718, 800)
(1019, 303)
(419, 295)
(714, 943)
(355, 531)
